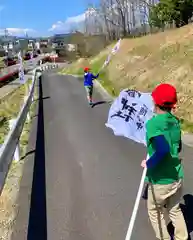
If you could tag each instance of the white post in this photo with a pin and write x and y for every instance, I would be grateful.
(17, 150)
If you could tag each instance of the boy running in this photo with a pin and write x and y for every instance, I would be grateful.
(88, 84)
(164, 168)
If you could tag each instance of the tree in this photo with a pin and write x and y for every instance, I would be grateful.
(167, 11)
(184, 8)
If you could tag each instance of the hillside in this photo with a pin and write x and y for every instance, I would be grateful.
(142, 63)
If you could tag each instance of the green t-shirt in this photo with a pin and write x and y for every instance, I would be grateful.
(169, 169)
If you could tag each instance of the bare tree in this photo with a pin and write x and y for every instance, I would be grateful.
(116, 18)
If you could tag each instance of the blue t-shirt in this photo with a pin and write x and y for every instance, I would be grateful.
(88, 79)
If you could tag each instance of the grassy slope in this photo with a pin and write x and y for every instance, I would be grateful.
(142, 63)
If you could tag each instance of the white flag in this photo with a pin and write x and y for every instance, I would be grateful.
(113, 51)
(116, 47)
(129, 113)
(21, 70)
(107, 61)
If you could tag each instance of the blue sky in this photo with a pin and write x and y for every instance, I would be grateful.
(41, 17)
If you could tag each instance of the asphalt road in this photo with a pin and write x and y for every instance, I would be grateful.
(85, 179)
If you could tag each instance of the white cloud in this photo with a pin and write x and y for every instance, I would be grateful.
(76, 19)
(69, 24)
(76, 22)
(16, 31)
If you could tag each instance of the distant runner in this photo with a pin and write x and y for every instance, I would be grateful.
(164, 169)
(88, 83)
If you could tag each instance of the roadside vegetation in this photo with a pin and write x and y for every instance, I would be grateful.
(144, 62)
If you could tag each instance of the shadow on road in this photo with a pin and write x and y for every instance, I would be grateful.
(187, 209)
(37, 227)
(27, 154)
(99, 103)
(43, 98)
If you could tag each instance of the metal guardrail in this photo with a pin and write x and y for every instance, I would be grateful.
(11, 144)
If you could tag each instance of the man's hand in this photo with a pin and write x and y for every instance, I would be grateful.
(143, 163)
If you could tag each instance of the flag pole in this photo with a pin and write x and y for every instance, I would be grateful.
(136, 205)
(113, 51)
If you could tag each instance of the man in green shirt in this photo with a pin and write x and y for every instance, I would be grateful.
(164, 168)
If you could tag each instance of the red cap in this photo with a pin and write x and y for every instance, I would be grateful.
(165, 95)
(86, 69)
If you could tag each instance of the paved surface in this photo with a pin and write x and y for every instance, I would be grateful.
(85, 179)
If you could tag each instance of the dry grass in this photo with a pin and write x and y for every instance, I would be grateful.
(10, 107)
(142, 63)
(2, 65)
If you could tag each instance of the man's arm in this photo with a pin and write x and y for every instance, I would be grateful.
(162, 148)
(95, 76)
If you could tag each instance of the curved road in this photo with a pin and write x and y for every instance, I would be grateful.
(85, 179)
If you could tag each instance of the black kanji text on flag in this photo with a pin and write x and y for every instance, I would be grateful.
(133, 93)
(130, 110)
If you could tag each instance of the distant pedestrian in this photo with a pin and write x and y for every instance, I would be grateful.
(88, 83)
(164, 168)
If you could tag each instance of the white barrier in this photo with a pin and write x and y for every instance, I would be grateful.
(10, 147)
(48, 67)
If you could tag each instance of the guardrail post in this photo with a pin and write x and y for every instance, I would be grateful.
(17, 150)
